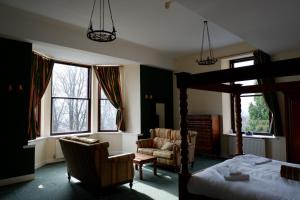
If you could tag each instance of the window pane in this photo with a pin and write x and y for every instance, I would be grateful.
(103, 96)
(108, 116)
(248, 82)
(69, 81)
(243, 63)
(255, 114)
(69, 115)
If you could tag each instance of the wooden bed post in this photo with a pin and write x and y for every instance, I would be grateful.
(238, 122)
(182, 85)
(184, 173)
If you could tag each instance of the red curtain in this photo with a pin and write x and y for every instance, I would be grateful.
(41, 71)
(109, 79)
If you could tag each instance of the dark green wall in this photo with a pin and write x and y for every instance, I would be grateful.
(15, 68)
(159, 84)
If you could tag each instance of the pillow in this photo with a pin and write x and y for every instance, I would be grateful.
(167, 146)
(290, 172)
(71, 137)
(82, 139)
(88, 140)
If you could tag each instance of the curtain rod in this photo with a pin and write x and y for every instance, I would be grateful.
(235, 55)
(71, 62)
(42, 55)
(108, 65)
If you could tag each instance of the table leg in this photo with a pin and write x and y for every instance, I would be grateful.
(154, 167)
(141, 171)
(136, 166)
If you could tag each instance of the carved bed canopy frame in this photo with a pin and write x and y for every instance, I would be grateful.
(214, 81)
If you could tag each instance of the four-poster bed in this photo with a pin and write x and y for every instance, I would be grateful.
(213, 81)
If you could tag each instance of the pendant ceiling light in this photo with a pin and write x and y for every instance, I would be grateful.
(210, 60)
(102, 33)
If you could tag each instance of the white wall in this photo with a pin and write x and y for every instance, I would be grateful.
(119, 142)
(114, 140)
(132, 101)
(129, 142)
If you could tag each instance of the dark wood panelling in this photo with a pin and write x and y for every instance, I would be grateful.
(293, 118)
(15, 81)
(159, 84)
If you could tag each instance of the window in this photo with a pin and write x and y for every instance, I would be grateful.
(254, 111)
(70, 99)
(107, 113)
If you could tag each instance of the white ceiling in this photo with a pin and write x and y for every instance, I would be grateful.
(175, 30)
(271, 25)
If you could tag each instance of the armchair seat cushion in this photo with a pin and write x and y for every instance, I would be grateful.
(147, 151)
(163, 154)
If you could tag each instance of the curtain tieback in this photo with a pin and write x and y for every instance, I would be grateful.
(120, 109)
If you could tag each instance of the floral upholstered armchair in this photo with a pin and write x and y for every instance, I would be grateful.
(165, 145)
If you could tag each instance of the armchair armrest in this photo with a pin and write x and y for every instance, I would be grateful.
(145, 143)
(177, 148)
(122, 157)
(121, 167)
(191, 150)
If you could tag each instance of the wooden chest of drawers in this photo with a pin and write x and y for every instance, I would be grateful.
(208, 137)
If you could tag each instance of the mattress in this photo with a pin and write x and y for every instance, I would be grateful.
(264, 183)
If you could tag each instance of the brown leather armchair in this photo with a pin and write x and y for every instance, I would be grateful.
(88, 161)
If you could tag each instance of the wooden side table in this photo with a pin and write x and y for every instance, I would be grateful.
(141, 159)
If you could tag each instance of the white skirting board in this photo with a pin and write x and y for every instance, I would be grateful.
(17, 179)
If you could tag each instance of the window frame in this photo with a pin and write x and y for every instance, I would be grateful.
(88, 99)
(231, 66)
(99, 111)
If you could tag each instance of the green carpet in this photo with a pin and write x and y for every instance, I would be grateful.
(51, 183)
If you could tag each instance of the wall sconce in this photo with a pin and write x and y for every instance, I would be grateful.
(20, 87)
(10, 88)
(148, 96)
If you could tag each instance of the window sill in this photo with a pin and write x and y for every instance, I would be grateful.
(118, 132)
(33, 142)
(253, 136)
(39, 139)
(108, 133)
(56, 136)
(65, 135)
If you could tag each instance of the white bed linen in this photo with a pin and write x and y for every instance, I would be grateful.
(265, 182)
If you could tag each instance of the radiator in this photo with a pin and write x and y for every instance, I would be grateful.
(58, 151)
(256, 146)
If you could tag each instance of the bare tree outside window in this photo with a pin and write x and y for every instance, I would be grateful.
(70, 99)
(108, 113)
